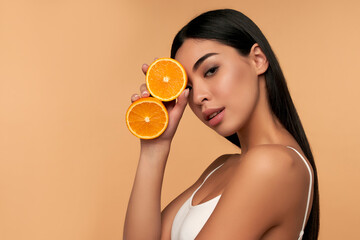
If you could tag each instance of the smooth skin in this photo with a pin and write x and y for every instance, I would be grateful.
(264, 189)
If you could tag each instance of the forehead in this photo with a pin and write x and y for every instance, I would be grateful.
(193, 49)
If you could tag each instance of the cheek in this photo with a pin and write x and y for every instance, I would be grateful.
(236, 83)
(241, 92)
(243, 103)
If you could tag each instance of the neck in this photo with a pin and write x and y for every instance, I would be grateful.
(262, 127)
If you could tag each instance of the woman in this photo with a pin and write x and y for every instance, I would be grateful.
(236, 87)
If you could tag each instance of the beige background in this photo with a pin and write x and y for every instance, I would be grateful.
(68, 68)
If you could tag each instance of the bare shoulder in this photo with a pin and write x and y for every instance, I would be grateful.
(268, 188)
(276, 171)
(216, 163)
(276, 160)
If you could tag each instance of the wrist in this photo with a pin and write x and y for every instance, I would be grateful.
(155, 145)
(154, 148)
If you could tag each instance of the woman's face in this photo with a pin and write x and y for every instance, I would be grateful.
(224, 85)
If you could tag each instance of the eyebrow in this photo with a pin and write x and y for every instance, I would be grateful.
(202, 59)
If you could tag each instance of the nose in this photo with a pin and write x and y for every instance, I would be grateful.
(200, 93)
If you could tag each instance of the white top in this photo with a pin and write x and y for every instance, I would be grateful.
(190, 219)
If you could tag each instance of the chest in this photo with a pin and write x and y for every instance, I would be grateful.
(214, 184)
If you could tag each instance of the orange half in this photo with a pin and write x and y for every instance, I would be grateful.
(147, 118)
(166, 79)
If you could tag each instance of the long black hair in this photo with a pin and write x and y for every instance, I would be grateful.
(234, 29)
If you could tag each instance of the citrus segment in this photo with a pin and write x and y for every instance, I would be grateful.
(166, 79)
(147, 118)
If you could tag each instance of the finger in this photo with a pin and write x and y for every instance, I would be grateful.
(169, 105)
(183, 99)
(144, 91)
(181, 104)
(135, 97)
(144, 68)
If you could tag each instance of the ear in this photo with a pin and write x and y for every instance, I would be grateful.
(259, 59)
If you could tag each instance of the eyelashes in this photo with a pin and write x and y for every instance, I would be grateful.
(209, 73)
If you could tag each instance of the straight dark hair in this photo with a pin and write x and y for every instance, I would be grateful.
(234, 29)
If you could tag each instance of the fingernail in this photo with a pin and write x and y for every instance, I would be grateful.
(145, 93)
(135, 97)
(186, 92)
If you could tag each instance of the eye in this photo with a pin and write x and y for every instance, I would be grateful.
(211, 71)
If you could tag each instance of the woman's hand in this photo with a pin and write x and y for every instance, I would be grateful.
(175, 110)
(144, 209)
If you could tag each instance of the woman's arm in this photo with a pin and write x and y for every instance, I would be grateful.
(143, 216)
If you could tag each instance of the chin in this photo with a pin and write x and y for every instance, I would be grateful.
(224, 132)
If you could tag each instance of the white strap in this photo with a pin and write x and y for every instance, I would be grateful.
(309, 194)
(301, 235)
(207, 178)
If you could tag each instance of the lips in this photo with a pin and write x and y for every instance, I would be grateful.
(209, 114)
